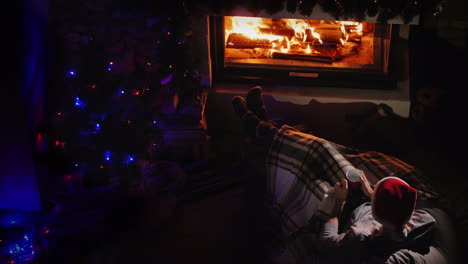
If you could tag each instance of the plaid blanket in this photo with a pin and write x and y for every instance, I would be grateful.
(301, 168)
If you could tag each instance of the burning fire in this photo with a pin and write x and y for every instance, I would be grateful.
(291, 36)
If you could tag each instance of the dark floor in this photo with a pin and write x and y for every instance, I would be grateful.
(211, 230)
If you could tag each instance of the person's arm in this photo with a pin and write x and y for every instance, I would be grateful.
(366, 187)
(404, 256)
(337, 208)
(329, 233)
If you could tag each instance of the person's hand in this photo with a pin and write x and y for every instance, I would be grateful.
(341, 190)
(366, 186)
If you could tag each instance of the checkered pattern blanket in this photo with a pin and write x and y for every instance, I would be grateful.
(301, 168)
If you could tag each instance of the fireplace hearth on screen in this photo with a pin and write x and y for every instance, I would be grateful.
(301, 51)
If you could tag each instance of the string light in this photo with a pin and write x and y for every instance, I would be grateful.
(19, 251)
(129, 159)
(167, 80)
(78, 102)
(71, 73)
(39, 138)
(59, 144)
(45, 230)
(107, 155)
(109, 67)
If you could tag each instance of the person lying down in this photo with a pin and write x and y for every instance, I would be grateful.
(387, 227)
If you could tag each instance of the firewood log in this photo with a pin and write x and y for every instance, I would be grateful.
(241, 41)
(304, 57)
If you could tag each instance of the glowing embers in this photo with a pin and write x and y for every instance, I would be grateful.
(297, 39)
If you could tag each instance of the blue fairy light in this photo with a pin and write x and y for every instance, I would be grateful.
(107, 155)
(78, 102)
(20, 250)
(98, 127)
(71, 73)
(130, 158)
(109, 67)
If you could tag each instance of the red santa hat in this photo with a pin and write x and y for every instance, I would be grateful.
(393, 202)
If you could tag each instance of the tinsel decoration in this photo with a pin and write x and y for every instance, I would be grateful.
(254, 6)
(354, 9)
(291, 5)
(383, 10)
(361, 9)
(334, 8)
(390, 9)
(372, 7)
(274, 6)
(306, 6)
(412, 8)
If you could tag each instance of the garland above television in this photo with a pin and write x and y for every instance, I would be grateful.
(358, 10)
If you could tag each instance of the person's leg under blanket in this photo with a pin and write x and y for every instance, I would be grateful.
(254, 116)
(300, 167)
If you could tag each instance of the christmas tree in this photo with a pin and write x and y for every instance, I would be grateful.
(123, 73)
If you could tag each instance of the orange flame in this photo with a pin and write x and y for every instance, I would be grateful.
(303, 33)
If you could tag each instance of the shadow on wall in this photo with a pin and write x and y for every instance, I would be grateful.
(439, 94)
(361, 125)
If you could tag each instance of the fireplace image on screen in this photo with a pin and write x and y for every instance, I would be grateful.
(332, 42)
(300, 51)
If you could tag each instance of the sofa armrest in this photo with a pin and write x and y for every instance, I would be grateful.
(405, 256)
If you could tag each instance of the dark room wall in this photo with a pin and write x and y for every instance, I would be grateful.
(22, 108)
